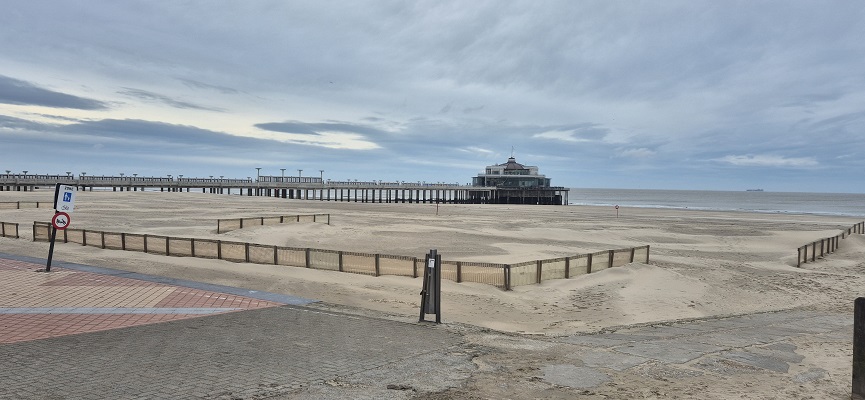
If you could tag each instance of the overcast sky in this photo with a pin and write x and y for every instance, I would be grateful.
(717, 95)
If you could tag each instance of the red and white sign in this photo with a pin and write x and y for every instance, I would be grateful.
(60, 221)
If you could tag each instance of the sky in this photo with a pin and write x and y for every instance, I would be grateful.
(706, 95)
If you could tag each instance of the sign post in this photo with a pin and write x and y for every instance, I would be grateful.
(430, 302)
(617, 211)
(64, 203)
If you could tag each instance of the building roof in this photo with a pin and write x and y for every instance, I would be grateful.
(512, 164)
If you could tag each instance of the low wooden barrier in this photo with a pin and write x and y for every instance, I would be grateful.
(8, 229)
(15, 205)
(821, 247)
(504, 276)
(226, 225)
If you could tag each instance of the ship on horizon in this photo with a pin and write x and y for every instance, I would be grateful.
(753, 190)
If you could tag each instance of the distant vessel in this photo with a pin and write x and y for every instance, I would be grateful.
(753, 190)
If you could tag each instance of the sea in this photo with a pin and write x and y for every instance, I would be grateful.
(839, 204)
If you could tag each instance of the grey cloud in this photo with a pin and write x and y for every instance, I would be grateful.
(469, 110)
(317, 127)
(201, 85)
(18, 92)
(158, 98)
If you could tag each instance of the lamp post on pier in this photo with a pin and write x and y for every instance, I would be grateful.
(321, 176)
(283, 174)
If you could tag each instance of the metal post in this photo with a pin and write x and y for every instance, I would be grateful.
(859, 348)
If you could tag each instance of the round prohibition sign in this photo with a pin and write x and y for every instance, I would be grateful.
(60, 221)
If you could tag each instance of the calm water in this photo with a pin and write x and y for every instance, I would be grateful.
(846, 204)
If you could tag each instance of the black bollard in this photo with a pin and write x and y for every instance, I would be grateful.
(859, 349)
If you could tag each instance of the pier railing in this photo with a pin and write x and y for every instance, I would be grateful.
(821, 247)
(503, 276)
(8, 229)
(226, 225)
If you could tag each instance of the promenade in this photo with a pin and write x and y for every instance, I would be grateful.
(82, 332)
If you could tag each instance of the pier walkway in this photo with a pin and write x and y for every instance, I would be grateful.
(301, 188)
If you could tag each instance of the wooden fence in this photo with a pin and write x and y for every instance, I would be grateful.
(503, 276)
(826, 245)
(225, 225)
(8, 229)
(14, 205)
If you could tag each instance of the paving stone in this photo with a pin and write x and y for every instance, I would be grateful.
(199, 357)
(756, 360)
(607, 359)
(669, 351)
(572, 376)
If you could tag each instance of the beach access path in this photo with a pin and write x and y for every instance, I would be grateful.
(79, 332)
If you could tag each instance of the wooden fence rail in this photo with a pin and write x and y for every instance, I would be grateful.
(821, 247)
(504, 276)
(226, 225)
(8, 229)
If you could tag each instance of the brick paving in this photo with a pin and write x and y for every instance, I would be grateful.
(77, 334)
(38, 305)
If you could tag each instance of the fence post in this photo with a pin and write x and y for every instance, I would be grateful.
(822, 247)
(192, 246)
(813, 251)
(246, 251)
(539, 269)
(275, 255)
(262, 221)
(282, 219)
(308, 261)
(102, 234)
(340, 260)
(84, 237)
(145, 243)
(459, 271)
(122, 241)
(328, 219)
(647, 253)
(799, 257)
(377, 266)
(507, 271)
(167, 250)
(633, 249)
(65, 234)
(218, 226)
(589, 264)
(241, 223)
(413, 263)
(612, 255)
(219, 249)
(298, 217)
(567, 267)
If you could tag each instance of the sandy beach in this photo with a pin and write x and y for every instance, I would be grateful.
(703, 264)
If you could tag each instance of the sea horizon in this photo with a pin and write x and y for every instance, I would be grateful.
(835, 204)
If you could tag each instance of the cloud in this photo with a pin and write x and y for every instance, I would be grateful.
(768, 161)
(641, 152)
(158, 98)
(334, 135)
(574, 134)
(18, 92)
(200, 85)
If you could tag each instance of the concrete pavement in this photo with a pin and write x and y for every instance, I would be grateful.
(84, 332)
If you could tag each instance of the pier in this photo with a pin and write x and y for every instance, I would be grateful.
(302, 188)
